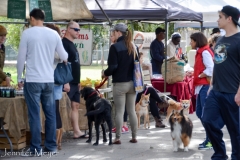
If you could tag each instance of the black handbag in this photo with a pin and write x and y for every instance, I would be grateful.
(63, 73)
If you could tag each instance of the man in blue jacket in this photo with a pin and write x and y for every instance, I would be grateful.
(157, 51)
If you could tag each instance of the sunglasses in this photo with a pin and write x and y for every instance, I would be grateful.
(4, 35)
(75, 29)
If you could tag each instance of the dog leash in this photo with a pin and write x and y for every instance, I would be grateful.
(162, 94)
(101, 84)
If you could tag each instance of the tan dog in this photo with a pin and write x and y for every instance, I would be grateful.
(142, 109)
(178, 106)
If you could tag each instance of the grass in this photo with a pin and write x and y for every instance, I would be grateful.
(93, 72)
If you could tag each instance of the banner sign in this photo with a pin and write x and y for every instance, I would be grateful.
(83, 44)
(143, 40)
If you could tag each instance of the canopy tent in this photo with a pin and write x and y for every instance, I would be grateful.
(144, 10)
(61, 9)
(208, 8)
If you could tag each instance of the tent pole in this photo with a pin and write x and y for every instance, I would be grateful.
(110, 23)
(201, 25)
(165, 49)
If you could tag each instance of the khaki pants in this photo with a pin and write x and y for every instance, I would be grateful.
(125, 95)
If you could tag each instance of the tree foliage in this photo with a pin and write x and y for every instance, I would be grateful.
(100, 32)
(14, 31)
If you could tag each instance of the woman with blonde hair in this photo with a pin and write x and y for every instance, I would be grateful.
(120, 67)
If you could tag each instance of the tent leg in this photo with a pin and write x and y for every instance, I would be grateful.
(165, 49)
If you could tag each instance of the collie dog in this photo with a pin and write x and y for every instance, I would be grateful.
(181, 130)
(178, 106)
(142, 110)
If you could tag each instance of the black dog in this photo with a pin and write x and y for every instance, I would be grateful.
(98, 111)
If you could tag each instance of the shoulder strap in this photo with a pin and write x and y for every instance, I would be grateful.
(135, 51)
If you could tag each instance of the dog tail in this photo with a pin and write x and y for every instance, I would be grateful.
(94, 112)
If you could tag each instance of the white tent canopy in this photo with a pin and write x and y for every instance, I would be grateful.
(61, 9)
(209, 9)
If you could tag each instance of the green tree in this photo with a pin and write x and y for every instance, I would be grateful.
(14, 31)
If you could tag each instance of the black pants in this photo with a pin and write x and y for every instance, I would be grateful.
(220, 108)
(58, 117)
(154, 98)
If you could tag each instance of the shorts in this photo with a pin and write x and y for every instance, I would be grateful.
(58, 92)
(74, 93)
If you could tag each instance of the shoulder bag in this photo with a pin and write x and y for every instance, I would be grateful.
(63, 73)
(137, 73)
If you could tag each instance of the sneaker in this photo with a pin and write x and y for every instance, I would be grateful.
(203, 143)
(124, 130)
(49, 153)
(206, 146)
(28, 153)
(114, 130)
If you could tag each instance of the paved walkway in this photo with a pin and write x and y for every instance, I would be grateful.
(152, 144)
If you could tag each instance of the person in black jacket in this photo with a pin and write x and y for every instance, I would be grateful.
(120, 67)
(157, 51)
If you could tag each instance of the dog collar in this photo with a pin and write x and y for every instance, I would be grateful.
(92, 94)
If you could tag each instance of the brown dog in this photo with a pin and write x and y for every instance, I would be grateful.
(142, 109)
(178, 106)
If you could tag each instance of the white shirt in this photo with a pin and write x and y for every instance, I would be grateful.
(208, 63)
(37, 47)
(171, 49)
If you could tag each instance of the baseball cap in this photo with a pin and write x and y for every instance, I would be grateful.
(176, 35)
(215, 30)
(233, 12)
(158, 30)
(120, 27)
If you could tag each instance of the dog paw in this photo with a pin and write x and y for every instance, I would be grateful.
(185, 149)
(175, 150)
(95, 144)
(88, 141)
(105, 140)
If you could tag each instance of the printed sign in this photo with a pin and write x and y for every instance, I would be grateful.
(143, 40)
(84, 45)
(16, 9)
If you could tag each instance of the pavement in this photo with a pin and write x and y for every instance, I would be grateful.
(153, 143)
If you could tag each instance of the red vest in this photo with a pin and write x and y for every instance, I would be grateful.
(199, 66)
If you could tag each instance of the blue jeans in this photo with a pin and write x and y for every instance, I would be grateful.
(34, 94)
(201, 98)
(220, 108)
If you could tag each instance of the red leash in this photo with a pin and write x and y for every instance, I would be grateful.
(101, 84)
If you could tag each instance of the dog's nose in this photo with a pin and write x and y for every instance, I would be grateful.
(148, 102)
(175, 119)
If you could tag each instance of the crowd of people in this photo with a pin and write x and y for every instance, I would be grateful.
(216, 79)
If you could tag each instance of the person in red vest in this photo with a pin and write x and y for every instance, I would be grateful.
(203, 69)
